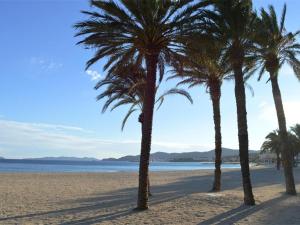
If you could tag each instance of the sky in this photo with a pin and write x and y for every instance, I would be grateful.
(48, 105)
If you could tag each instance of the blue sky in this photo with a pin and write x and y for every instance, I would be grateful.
(47, 101)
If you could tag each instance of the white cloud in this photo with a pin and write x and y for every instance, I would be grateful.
(291, 109)
(18, 137)
(44, 63)
(94, 75)
(21, 139)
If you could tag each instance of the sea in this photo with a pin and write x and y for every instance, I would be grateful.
(60, 166)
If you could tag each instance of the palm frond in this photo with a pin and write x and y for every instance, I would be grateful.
(126, 117)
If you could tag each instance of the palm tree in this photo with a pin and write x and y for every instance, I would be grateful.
(275, 48)
(272, 144)
(148, 31)
(294, 146)
(203, 64)
(295, 130)
(233, 24)
(126, 86)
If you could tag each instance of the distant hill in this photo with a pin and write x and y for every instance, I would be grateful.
(227, 154)
(62, 158)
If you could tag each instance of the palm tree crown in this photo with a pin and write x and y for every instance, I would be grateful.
(276, 46)
(202, 63)
(272, 143)
(296, 130)
(131, 29)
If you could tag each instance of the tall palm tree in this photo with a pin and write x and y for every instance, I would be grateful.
(146, 30)
(272, 144)
(126, 86)
(203, 64)
(233, 23)
(275, 48)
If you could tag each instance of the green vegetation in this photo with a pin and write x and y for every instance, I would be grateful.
(274, 144)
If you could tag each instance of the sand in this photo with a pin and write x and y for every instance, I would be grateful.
(179, 198)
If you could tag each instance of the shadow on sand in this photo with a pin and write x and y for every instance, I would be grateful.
(234, 215)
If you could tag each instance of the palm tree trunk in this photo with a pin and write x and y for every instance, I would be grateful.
(243, 132)
(141, 119)
(149, 191)
(215, 94)
(151, 63)
(278, 160)
(286, 152)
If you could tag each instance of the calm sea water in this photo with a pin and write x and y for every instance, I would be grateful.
(48, 166)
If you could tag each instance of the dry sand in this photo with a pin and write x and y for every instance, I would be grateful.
(179, 198)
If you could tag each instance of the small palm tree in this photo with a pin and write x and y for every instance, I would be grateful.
(275, 48)
(148, 31)
(272, 144)
(295, 130)
(233, 22)
(203, 64)
(126, 86)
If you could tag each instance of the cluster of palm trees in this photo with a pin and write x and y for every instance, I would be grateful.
(273, 143)
(203, 42)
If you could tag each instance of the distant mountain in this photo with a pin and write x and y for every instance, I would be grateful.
(63, 158)
(227, 154)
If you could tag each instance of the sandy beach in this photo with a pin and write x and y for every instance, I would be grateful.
(179, 198)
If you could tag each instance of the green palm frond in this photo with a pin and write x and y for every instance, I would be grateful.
(173, 91)
(296, 130)
(130, 111)
(272, 143)
(123, 30)
(201, 62)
